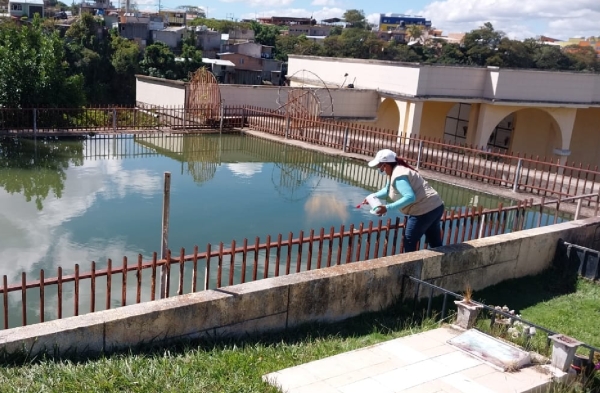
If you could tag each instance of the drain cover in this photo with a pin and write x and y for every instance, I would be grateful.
(491, 350)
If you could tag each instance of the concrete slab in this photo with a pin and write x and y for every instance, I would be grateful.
(492, 350)
(423, 362)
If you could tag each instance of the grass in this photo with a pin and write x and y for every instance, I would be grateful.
(574, 314)
(233, 366)
(568, 306)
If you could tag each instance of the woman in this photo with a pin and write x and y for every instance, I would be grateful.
(413, 196)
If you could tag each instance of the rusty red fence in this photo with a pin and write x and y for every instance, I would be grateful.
(535, 175)
(130, 282)
(117, 119)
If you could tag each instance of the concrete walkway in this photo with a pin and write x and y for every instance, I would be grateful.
(423, 363)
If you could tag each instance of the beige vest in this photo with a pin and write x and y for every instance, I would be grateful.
(426, 198)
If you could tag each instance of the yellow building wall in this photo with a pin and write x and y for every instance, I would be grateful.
(535, 133)
(585, 145)
(433, 119)
(385, 26)
(388, 117)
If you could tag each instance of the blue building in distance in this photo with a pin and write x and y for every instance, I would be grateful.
(389, 22)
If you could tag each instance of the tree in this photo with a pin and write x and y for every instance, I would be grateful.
(38, 74)
(583, 58)
(125, 60)
(223, 26)
(265, 34)
(45, 172)
(481, 44)
(356, 19)
(451, 53)
(548, 57)
(159, 61)
(191, 60)
(89, 54)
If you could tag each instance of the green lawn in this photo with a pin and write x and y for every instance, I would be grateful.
(206, 367)
(576, 314)
(237, 366)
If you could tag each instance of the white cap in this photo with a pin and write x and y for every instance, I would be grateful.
(385, 155)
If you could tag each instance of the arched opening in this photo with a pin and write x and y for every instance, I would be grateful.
(501, 137)
(388, 115)
(529, 131)
(457, 124)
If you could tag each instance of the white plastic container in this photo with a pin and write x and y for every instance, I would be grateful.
(374, 202)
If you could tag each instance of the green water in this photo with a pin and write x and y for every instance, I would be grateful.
(77, 201)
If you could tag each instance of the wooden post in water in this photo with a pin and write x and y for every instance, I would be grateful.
(165, 234)
(221, 113)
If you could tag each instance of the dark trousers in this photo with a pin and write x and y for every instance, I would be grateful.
(427, 224)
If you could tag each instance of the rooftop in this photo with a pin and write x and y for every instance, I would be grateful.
(218, 62)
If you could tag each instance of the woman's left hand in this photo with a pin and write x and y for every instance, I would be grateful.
(381, 210)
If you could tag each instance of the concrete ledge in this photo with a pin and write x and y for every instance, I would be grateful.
(327, 295)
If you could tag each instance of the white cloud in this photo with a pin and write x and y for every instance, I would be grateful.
(373, 18)
(324, 3)
(246, 169)
(519, 19)
(323, 13)
(32, 238)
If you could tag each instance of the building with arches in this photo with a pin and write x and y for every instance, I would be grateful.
(548, 114)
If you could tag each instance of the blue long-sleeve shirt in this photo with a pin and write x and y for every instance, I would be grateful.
(403, 186)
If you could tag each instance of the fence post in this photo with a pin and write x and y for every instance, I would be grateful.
(419, 154)
(287, 126)
(34, 124)
(243, 117)
(221, 112)
(164, 278)
(481, 229)
(517, 175)
(597, 204)
(184, 117)
(346, 137)
(578, 209)
(114, 120)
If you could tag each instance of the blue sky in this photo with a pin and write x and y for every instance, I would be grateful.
(517, 18)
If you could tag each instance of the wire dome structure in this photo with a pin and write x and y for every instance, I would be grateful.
(202, 157)
(293, 180)
(204, 96)
(309, 97)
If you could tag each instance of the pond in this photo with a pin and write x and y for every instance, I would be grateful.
(76, 201)
(67, 202)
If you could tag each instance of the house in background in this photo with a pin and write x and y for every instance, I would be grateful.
(171, 36)
(389, 22)
(174, 17)
(223, 70)
(250, 70)
(206, 39)
(27, 8)
(310, 30)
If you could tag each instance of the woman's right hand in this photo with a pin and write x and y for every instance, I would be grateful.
(365, 201)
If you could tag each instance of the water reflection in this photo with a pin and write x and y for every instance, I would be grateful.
(36, 169)
(68, 202)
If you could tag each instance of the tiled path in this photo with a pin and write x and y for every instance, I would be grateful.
(422, 363)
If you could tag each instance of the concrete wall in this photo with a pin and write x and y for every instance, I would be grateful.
(467, 83)
(157, 91)
(389, 76)
(327, 295)
(344, 103)
(452, 81)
